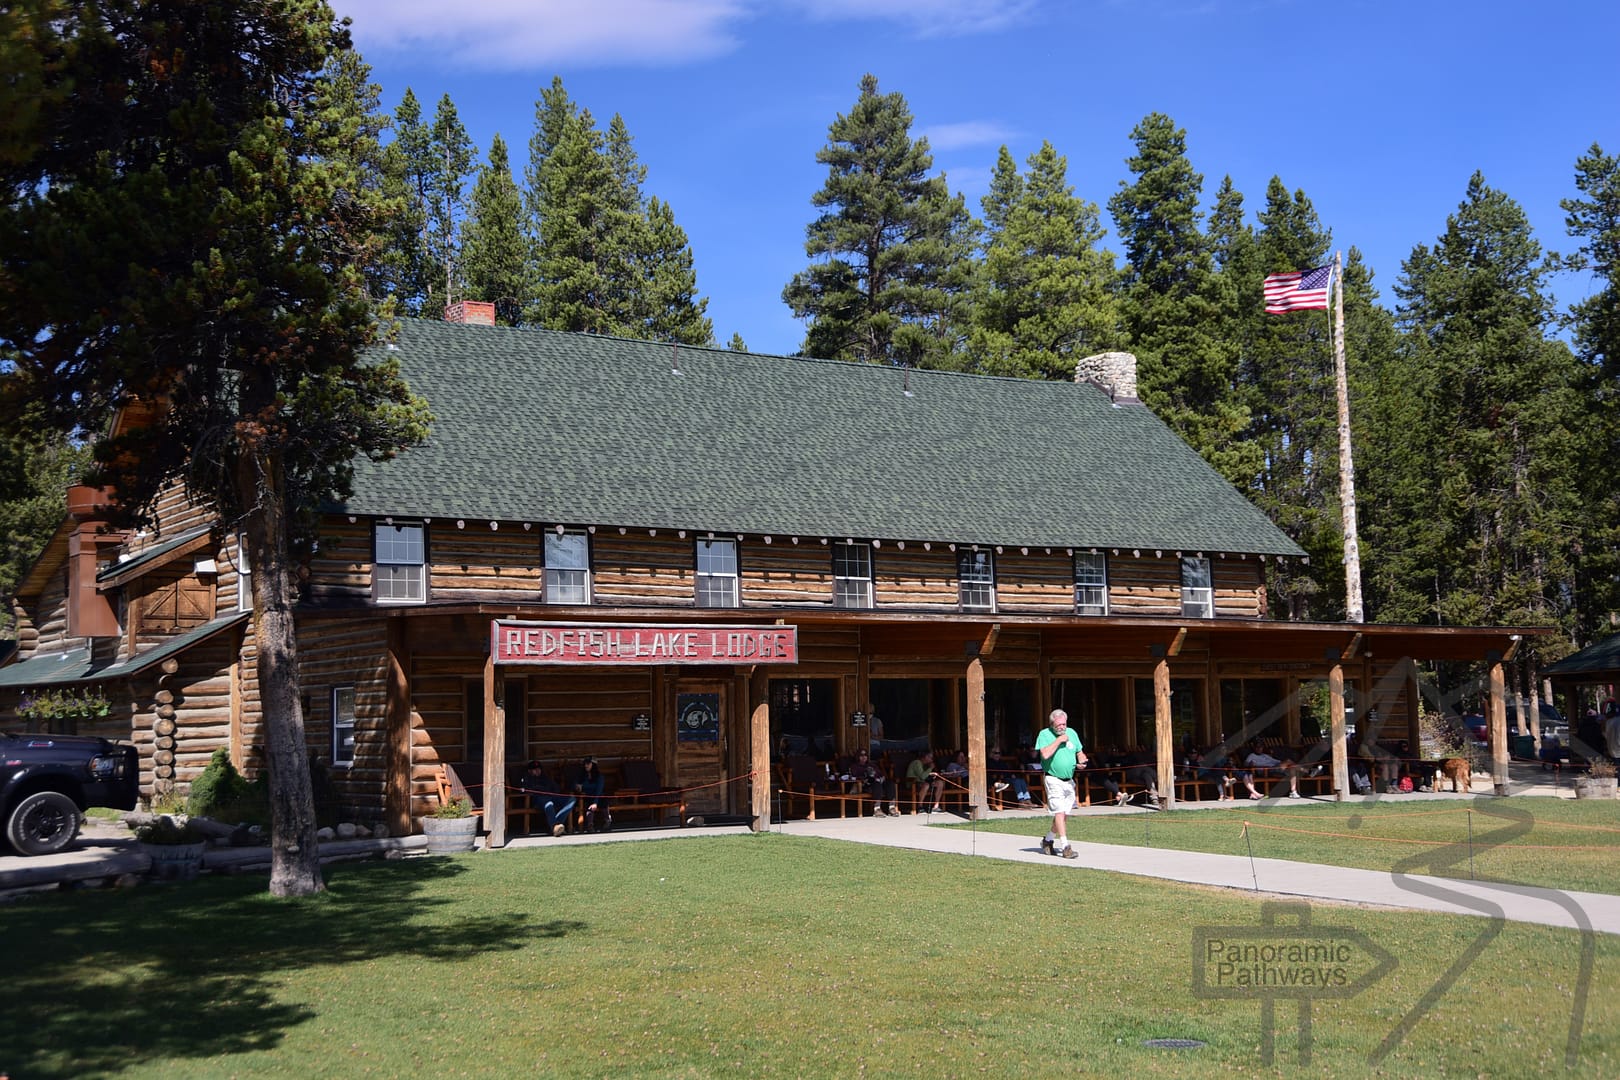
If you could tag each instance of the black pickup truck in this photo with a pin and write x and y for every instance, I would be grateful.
(48, 781)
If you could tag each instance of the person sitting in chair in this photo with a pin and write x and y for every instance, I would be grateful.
(921, 771)
(877, 784)
(545, 796)
(592, 789)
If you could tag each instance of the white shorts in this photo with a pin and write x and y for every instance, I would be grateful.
(1060, 796)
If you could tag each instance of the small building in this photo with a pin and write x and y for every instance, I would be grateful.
(711, 559)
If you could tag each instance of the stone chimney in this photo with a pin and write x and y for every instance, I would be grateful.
(475, 312)
(1112, 372)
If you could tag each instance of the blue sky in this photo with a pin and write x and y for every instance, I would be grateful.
(1378, 110)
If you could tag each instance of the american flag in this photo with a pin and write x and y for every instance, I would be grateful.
(1301, 290)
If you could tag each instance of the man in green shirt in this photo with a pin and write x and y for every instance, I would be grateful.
(1061, 755)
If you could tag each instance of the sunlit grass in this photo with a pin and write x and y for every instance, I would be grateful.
(747, 956)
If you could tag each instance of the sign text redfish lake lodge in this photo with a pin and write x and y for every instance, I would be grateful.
(638, 643)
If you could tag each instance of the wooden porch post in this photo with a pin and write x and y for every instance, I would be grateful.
(975, 732)
(759, 731)
(494, 756)
(1498, 729)
(397, 781)
(1163, 740)
(1341, 760)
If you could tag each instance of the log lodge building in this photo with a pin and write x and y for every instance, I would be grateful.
(712, 559)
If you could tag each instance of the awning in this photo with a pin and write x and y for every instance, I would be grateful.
(117, 573)
(77, 666)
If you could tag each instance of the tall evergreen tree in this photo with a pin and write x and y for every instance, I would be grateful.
(408, 171)
(1502, 406)
(495, 248)
(451, 154)
(1288, 388)
(892, 245)
(608, 260)
(138, 194)
(1172, 302)
(1044, 295)
(1594, 219)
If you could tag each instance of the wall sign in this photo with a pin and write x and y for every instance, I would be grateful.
(513, 642)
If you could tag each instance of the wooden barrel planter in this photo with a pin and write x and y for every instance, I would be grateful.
(1596, 787)
(447, 836)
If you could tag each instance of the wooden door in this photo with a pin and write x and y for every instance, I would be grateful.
(700, 724)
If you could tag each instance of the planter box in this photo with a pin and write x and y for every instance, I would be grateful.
(447, 836)
(174, 862)
(1596, 787)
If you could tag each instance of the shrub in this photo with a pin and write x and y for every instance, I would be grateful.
(219, 786)
(166, 830)
(455, 808)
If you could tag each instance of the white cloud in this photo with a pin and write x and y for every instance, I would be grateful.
(926, 17)
(523, 34)
(945, 137)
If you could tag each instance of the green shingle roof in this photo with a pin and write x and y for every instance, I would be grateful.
(576, 429)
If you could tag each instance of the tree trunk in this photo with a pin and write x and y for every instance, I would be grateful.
(295, 866)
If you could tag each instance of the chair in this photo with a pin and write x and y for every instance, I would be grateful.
(447, 778)
(643, 791)
(806, 780)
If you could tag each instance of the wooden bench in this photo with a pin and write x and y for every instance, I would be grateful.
(447, 777)
(644, 793)
(802, 779)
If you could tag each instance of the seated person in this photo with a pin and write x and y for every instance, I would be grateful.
(921, 771)
(1209, 765)
(1261, 763)
(592, 789)
(545, 795)
(1005, 772)
(877, 784)
(1137, 768)
(957, 767)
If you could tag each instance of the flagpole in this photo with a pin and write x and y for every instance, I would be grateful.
(1347, 467)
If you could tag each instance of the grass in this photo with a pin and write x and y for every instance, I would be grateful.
(752, 956)
(1527, 840)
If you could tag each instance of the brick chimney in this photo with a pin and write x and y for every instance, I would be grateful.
(1112, 372)
(90, 612)
(474, 312)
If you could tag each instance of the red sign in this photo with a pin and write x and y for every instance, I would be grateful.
(641, 643)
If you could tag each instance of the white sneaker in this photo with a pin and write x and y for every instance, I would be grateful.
(1293, 794)
(878, 812)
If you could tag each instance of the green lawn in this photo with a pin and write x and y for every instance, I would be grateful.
(1527, 840)
(747, 956)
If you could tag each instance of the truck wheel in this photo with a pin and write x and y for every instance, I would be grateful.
(43, 823)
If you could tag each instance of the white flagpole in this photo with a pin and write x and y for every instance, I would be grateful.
(1347, 467)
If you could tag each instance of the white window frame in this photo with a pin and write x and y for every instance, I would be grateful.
(244, 576)
(976, 580)
(1090, 583)
(568, 577)
(399, 572)
(343, 726)
(852, 576)
(1197, 588)
(717, 585)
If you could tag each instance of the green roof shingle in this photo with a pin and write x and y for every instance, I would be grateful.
(576, 429)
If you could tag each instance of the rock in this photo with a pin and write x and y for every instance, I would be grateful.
(126, 881)
(379, 831)
(325, 834)
(346, 830)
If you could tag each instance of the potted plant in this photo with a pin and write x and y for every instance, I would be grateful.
(175, 847)
(1597, 783)
(451, 828)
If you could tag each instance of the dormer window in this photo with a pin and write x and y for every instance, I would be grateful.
(976, 578)
(1197, 594)
(568, 568)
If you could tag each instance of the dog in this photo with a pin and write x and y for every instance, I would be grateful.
(1458, 771)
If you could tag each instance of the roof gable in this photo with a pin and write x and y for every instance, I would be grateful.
(578, 429)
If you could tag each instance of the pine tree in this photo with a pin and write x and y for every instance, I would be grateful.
(1044, 294)
(408, 169)
(1172, 301)
(736, 344)
(892, 244)
(140, 194)
(451, 154)
(609, 260)
(1288, 388)
(1502, 406)
(1595, 322)
(495, 249)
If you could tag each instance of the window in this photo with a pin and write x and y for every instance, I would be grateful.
(976, 577)
(1197, 596)
(1091, 584)
(852, 575)
(342, 726)
(400, 573)
(717, 573)
(244, 582)
(568, 568)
